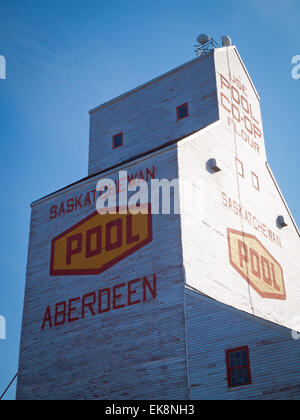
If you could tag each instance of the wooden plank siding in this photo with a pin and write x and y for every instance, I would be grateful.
(231, 201)
(134, 352)
(209, 296)
(213, 328)
(147, 116)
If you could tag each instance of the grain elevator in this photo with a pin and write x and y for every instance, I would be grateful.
(168, 306)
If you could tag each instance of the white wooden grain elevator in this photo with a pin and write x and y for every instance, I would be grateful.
(160, 306)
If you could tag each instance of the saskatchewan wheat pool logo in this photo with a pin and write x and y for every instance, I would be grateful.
(98, 242)
(256, 265)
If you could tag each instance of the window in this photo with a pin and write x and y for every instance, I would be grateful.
(182, 111)
(255, 181)
(238, 367)
(240, 168)
(117, 140)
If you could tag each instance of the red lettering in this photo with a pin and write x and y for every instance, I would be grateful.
(224, 82)
(65, 312)
(245, 104)
(78, 202)
(61, 209)
(151, 289)
(222, 102)
(94, 195)
(236, 208)
(132, 177)
(53, 212)
(73, 251)
(248, 125)
(274, 278)
(243, 253)
(255, 270)
(60, 313)
(101, 292)
(267, 277)
(88, 305)
(129, 238)
(115, 224)
(224, 197)
(72, 309)
(87, 201)
(70, 205)
(235, 95)
(132, 292)
(257, 132)
(150, 174)
(96, 232)
(116, 297)
(236, 113)
(47, 318)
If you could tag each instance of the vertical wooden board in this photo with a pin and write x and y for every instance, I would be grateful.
(137, 348)
(204, 236)
(239, 103)
(213, 328)
(131, 352)
(232, 200)
(257, 191)
(147, 116)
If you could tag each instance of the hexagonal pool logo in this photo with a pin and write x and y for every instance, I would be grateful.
(98, 242)
(256, 265)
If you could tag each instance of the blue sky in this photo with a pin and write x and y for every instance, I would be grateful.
(65, 57)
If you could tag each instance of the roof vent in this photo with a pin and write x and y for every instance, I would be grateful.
(281, 222)
(212, 166)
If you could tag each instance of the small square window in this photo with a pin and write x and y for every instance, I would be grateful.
(255, 181)
(238, 367)
(240, 168)
(117, 140)
(182, 111)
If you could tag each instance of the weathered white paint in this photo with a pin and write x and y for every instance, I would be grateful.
(131, 352)
(213, 328)
(171, 347)
(147, 116)
(205, 246)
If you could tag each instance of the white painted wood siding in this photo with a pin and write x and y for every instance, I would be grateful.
(205, 246)
(147, 116)
(173, 346)
(136, 352)
(213, 328)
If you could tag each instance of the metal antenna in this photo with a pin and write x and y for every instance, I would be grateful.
(205, 45)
